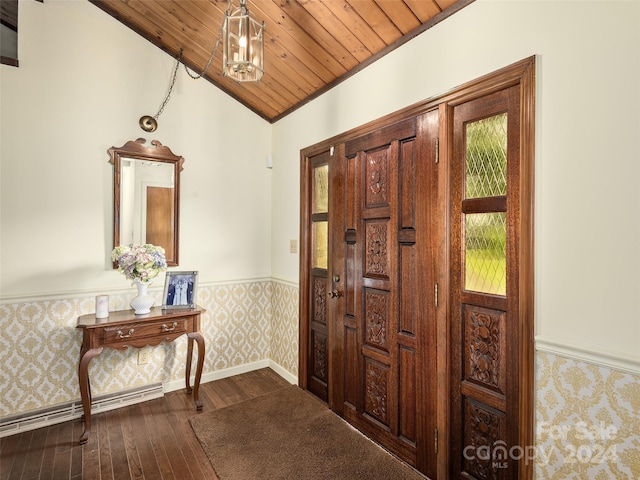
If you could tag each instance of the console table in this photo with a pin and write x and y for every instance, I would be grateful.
(123, 329)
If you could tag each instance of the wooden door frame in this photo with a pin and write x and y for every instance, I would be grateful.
(521, 73)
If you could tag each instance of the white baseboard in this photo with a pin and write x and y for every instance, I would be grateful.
(63, 413)
(286, 374)
(230, 372)
(174, 385)
(590, 354)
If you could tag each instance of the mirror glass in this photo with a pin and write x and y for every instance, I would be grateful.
(146, 196)
(9, 32)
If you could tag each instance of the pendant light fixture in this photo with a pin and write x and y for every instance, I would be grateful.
(242, 56)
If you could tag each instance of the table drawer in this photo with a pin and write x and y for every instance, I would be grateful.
(134, 331)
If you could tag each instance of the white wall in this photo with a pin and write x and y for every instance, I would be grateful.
(84, 81)
(587, 142)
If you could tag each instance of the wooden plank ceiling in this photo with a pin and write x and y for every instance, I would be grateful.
(310, 45)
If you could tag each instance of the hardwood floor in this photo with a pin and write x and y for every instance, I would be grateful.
(150, 440)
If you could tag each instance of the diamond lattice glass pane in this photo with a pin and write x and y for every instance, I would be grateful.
(485, 253)
(321, 189)
(487, 157)
(320, 244)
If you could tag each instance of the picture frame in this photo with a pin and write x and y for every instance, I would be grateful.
(180, 290)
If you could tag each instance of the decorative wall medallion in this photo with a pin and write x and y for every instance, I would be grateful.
(485, 346)
(375, 402)
(377, 177)
(376, 319)
(377, 262)
(320, 300)
(320, 356)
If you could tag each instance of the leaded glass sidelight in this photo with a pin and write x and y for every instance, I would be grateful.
(320, 190)
(485, 252)
(320, 244)
(319, 211)
(485, 232)
(486, 172)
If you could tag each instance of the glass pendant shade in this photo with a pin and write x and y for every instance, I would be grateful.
(243, 54)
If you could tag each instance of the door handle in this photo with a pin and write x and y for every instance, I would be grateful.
(335, 294)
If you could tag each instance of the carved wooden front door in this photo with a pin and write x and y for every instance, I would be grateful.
(382, 380)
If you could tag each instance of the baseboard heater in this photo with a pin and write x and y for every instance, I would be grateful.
(15, 424)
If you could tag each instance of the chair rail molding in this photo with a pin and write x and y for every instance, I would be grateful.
(594, 354)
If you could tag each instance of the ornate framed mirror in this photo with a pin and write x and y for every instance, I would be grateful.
(146, 196)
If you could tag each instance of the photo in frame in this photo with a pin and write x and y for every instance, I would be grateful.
(180, 290)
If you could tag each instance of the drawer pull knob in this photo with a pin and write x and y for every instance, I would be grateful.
(122, 335)
(173, 326)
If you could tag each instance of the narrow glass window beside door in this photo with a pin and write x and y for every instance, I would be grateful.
(319, 216)
(485, 231)
(320, 192)
(485, 253)
(319, 244)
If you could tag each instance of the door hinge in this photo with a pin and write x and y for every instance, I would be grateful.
(435, 440)
(437, 149)
(436, 295)
(331, 151)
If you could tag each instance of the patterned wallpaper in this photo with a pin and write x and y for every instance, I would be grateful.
(587, 416)
(587, 421)
(39, 343)
(284, 333)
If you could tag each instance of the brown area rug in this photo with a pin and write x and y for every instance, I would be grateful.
(290, 434)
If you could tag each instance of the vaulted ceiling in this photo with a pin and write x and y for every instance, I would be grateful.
(310, 45)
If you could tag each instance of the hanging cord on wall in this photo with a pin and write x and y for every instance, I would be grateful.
(148, 123)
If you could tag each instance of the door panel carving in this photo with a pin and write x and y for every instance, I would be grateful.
(318, 334)
(485, 348)
(376, 313)
(319, 366)
(484, 429)
(377, 177)
(320, 300)
(376, 249)
(376, 395)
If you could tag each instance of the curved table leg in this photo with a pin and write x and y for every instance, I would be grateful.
(85, 389)
(197, 336)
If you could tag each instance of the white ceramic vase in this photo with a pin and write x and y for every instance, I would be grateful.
(142, 302)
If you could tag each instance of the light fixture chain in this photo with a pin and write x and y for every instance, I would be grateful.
(213, 53)
(173, 82)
